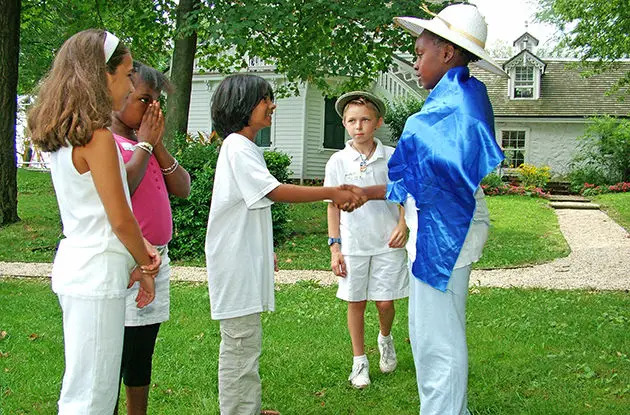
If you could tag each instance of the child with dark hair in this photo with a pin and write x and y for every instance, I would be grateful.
(89, 78)
(239, 240)
(152, 174)
(444, 152)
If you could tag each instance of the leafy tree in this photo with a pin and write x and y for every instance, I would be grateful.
(596, 29)
(178, 103)
(9, 47)
(336, 45)
(397, 114)
(144, 26)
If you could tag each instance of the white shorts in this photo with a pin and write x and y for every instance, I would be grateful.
(380, 277)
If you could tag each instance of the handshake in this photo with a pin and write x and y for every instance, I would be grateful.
(349, 197)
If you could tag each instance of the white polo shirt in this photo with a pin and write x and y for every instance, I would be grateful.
(365, 231)
(239, 238)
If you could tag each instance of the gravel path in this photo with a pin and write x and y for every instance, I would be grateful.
(599, 259)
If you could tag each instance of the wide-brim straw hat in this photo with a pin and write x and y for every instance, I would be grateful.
(343, 100)
(461, 24)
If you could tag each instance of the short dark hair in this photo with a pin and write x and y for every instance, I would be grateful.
(155, 79)
(468, 56)
(234, 101)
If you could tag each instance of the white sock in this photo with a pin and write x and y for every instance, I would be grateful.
(359, 359)
(383, 339)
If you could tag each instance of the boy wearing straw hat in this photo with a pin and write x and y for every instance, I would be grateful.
(367, 245)
(444, 152)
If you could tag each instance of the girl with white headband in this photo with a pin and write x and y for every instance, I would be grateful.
(103, 250)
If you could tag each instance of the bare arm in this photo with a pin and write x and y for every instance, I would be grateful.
(299, 194)
(376, 192)
(178, 182)
(399, 235)
(102, 160)
(136, 167)
(337, 263)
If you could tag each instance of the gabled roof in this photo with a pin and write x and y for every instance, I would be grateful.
(527, 36)
(522, 58)
(563, 93)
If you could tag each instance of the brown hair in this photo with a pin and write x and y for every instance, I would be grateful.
(73, 99)
(362, 101)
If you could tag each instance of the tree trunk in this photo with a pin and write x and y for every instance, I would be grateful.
(9, 49)
(178, 101)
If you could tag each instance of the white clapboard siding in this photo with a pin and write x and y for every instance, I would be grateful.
(287, 132)
(199, 110)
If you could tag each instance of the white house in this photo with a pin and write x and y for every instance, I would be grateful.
(544, 106)
(540, 111)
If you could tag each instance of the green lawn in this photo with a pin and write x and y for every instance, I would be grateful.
(617, 206)
(523, 231)
(35, 237)
(531, 352)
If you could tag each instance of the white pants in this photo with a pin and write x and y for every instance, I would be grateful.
(437, 330)
(240, 390)
(93, 331)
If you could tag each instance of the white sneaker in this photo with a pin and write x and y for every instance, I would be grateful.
(360, 375)
(388, 360)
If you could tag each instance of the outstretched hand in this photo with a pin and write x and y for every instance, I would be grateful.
(350, 197)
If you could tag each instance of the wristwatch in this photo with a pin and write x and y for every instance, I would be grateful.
(334, 241)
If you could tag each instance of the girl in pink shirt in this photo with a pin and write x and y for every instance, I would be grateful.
(152, 174)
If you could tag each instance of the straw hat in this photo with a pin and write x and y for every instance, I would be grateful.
(343, 100)
(461, 24)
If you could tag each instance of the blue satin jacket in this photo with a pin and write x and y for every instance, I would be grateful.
(444, 152)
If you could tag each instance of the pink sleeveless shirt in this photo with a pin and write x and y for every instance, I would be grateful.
(149, 202)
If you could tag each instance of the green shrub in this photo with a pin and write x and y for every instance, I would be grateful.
(397, 114)
(278, 165)
(190, 216)
(587, 174)
(198, 155)
(603, 155)
(534, 177)
(492, 181)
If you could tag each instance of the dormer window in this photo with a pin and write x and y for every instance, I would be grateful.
(525, 70)
(524, 82)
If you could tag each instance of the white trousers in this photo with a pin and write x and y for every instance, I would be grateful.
(93, 331)
(240, 390)
(437, 330)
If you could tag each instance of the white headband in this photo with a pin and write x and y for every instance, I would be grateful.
(111, 43)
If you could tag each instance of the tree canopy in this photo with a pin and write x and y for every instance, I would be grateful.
(144, 26)
(597, 30)
(334, 44)
(343, 44)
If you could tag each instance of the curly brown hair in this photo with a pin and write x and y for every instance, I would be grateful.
(73, 99)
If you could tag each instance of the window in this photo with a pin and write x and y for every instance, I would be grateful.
(263, 138)
(334, 131)
(513, 144)
(524, 82)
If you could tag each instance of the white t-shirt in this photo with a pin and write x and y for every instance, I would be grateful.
(475, 238)
(239, 239)
(91, 262)
(365, 231)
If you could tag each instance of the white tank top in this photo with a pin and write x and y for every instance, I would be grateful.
(90, 261)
